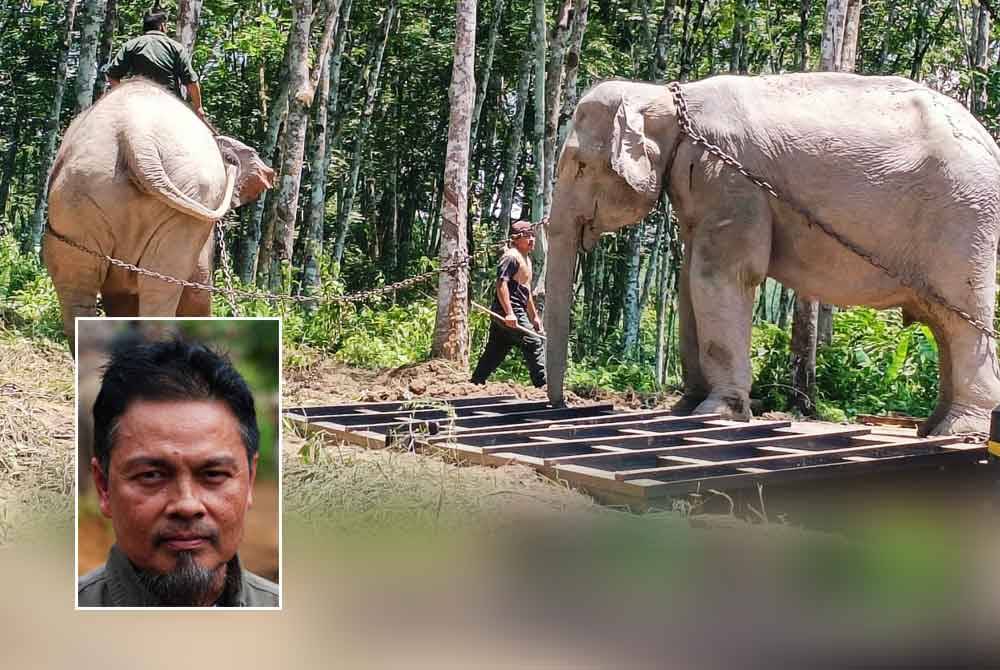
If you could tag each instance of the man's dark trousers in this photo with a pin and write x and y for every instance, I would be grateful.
(498, 345)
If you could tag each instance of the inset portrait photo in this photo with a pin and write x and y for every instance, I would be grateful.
(178, 476)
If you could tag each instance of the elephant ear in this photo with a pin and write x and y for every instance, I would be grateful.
(633, 155)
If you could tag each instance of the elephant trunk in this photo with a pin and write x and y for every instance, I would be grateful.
(564, 240)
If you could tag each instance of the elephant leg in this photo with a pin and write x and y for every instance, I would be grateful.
(969, 381)
(696, 388)
(120, 304)
(173, 251)
(77, 277)
(195, 302)
(729, 259)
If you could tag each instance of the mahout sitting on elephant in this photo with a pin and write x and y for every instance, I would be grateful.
(139, 177)
(905, 177)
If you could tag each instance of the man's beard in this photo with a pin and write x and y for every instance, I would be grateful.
(188, 584)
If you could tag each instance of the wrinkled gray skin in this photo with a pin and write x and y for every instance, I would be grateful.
(140, 178)
(900, 170)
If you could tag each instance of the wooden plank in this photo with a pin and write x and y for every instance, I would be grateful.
(651, 489)
(761, 460)
(634, 442)
(701, 442)
(515, 422)
(444, 410)
(571, 425)
(583, 420)
(393, 405)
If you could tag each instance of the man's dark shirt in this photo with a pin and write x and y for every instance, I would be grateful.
(154, 56)
(510, 270)
(116, 584)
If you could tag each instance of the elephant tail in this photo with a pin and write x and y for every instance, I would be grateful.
(144, 162)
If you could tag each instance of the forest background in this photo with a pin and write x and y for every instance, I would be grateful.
(360, 201)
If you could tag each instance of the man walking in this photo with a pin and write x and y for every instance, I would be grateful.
(513, 301)
(155, 56)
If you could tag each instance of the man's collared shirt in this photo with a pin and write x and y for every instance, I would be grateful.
(155, 56)
(116, 584)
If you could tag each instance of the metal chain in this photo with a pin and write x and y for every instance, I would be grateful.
(451, 266)
(227, 271)
(927, 292)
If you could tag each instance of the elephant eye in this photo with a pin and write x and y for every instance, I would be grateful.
(580, 168)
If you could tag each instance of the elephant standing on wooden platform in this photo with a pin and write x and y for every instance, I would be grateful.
(895, 169)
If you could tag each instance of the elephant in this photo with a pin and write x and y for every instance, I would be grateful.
(901, 173)
(139, 177)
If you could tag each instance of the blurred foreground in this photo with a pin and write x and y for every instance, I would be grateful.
(583, 588)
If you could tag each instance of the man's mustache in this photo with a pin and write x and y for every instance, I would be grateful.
(200, 531)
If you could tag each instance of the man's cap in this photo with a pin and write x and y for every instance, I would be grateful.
(521, 228)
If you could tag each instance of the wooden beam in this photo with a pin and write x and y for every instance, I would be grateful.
(702, 442)
(946, 442)
(569, 430)
(730, 428)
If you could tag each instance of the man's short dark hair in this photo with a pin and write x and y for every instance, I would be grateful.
(169, 370)
(153, 20)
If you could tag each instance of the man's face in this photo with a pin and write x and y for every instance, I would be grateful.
(525, 242)
(178, 481)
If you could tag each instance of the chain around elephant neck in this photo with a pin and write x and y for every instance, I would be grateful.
(928, 293)
(453, 265)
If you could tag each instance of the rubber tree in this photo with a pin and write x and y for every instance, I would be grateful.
(52, 131)
(451, 327)
(538, 148)
(188, 17)
(512, 150)
(276, 252)
(275, 115)
(346, 206)
(91, 21)
(321, 152)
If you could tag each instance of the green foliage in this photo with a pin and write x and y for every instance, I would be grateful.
(28, 300)
(770, 361)
(875, 365)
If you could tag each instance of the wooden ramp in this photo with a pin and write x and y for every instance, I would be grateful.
(633, 456)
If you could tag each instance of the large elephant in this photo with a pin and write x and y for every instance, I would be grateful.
(902, 173)
(140, 178)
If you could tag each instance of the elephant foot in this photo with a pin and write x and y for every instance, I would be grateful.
(730, 404)
(957, 419)
(687, 404)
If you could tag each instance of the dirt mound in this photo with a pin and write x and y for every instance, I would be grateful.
(319, 378)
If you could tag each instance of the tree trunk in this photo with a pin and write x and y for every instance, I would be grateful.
(803, 349)
(739, 37)
(315, 210)
(658, 63)
(554, 76)
(188, 15)
(279, 103)
(801, 41)
(52, 132)
(91, 20)
(107, 44)
(344, 213)
(512, 152)
(451, 328)
(491, 44)
(571, 95)
(852, 27)
(833, 35)
(981, 53)
(322, 152)
(630, 308)
(278, 245)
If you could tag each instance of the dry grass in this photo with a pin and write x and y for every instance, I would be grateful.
(344, 487)
(36, 436)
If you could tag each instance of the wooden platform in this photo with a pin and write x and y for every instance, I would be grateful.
(634, 457)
